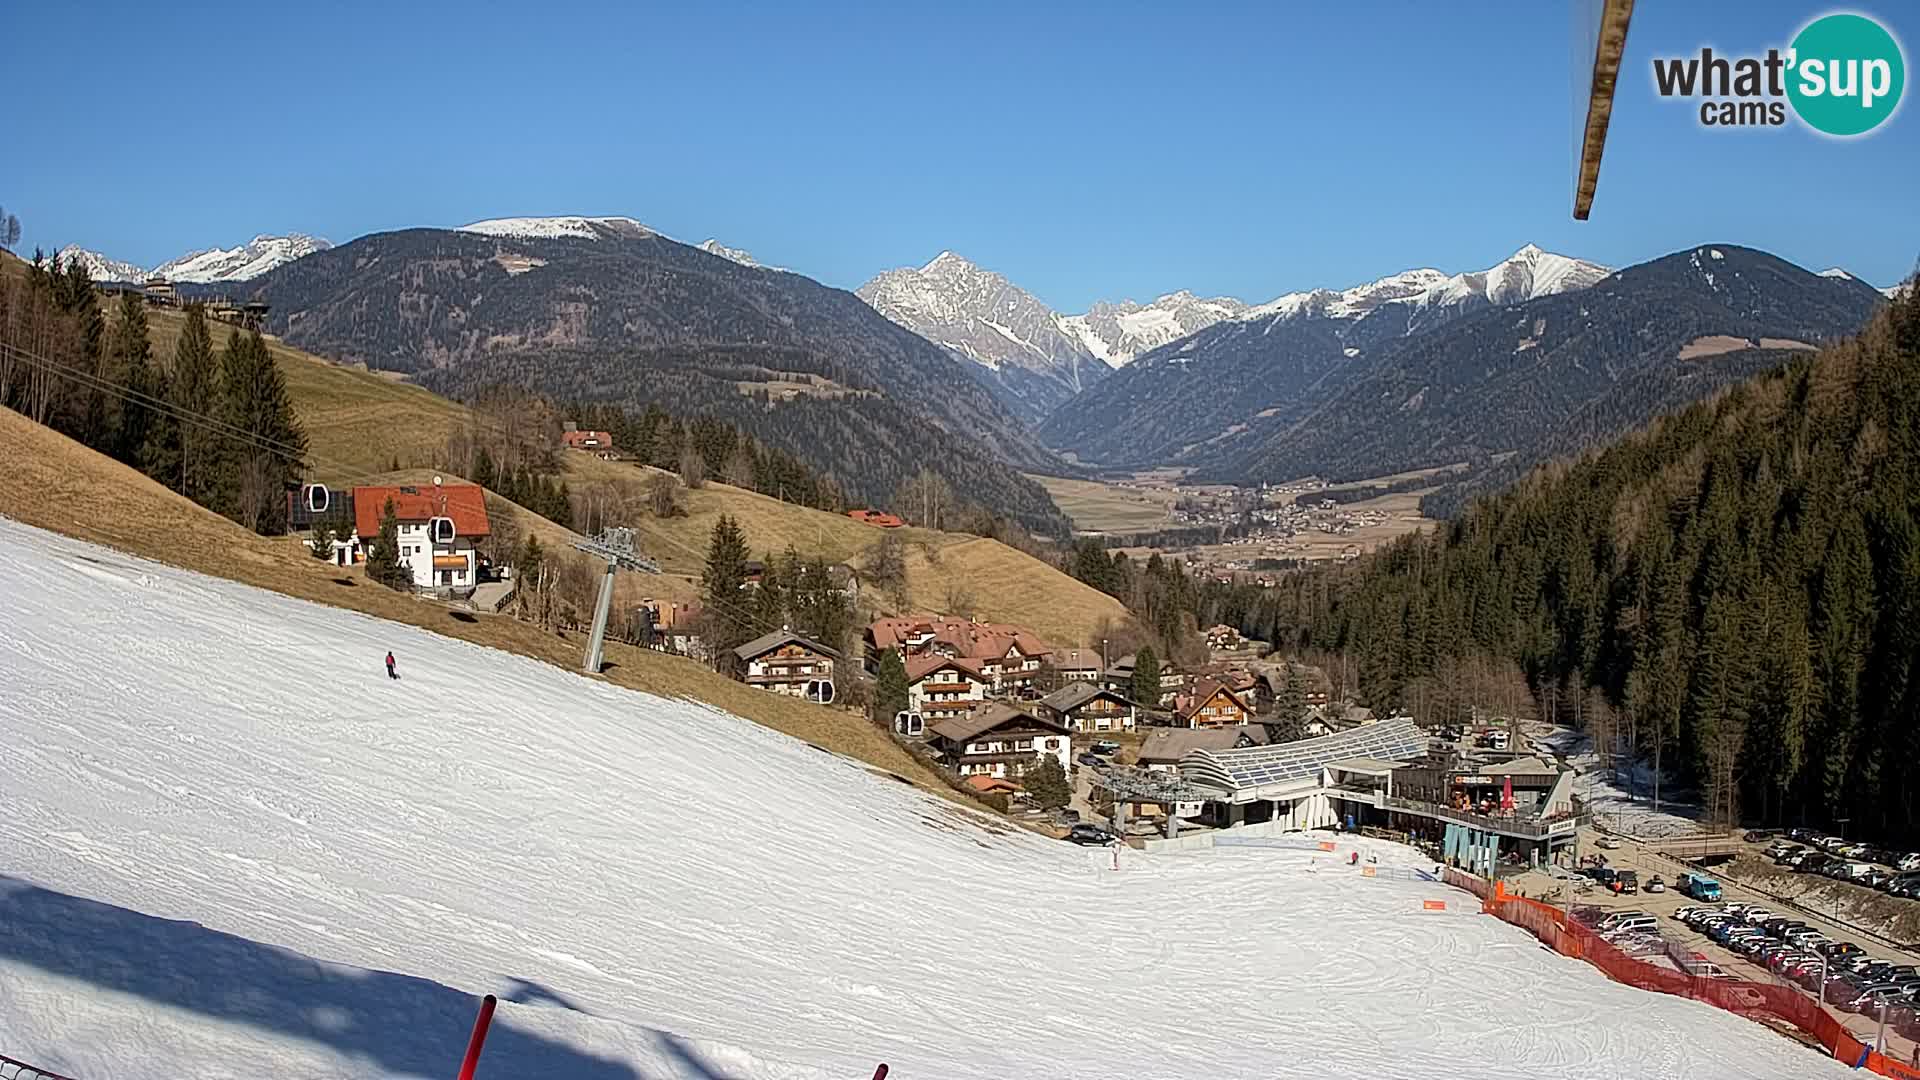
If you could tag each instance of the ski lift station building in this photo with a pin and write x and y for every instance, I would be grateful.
(1381, 775)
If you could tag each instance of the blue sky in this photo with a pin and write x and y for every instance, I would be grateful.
(1085, 150)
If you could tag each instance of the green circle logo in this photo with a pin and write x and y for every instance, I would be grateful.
(1847, 74)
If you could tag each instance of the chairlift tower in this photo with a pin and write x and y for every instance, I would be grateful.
(616, 544)
(1167, 789)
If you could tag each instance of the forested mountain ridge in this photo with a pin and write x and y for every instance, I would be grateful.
(606, 310)
(1735, 589)
(1260, 370)
(1559, 373)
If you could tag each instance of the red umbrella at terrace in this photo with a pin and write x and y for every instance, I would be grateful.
(1506, 794)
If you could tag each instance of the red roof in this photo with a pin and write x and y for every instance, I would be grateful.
(583, 440)
(876, 517)
(466, 504)
(987, 785)
(962, 637)
(919, 667)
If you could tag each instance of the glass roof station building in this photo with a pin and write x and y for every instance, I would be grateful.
(1521, 810)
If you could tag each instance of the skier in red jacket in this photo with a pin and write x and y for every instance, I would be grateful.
(391, 674)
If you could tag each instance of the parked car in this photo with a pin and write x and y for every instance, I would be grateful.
(1835, 949)
(1627, 883)
(1876, 879)
(1091, 761)
(1910, 861)
(1755, 836)
(1106, 747)
(1611, 843)
(1870, 997)
(1656, 884)
(1089, 834)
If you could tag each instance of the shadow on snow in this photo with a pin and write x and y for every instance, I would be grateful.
(403, 1024)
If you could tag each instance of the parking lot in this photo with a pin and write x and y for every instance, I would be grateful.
(1648, 863)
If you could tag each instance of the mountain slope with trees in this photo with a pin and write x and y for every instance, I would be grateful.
(1507, 380)
(613, 312)
(1733, 591)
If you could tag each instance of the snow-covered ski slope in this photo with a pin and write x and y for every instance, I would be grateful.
(231, 847)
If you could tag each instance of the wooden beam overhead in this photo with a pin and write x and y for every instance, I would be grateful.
(1606, 72)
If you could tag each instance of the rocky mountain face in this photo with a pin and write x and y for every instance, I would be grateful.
(1014, 343)
(605, 309)
(1118, 333)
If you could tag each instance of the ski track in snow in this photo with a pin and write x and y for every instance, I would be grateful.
(229, 846)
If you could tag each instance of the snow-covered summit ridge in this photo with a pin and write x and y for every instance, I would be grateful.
(243, 263)
(1527, 274)
(100, 267)
(556, 228)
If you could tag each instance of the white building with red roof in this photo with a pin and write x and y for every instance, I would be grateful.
(1009, 656)
(439, 530)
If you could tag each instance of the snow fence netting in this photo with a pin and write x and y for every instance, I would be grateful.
(1756, 1001)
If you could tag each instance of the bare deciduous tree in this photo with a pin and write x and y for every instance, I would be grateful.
(693, 467)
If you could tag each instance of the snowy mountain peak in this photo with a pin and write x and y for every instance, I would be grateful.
(556, 228)
(1116, 333)
(249, 260)
(1527, 274)
(738, 255)
(982, 317)
(99, 267)
(1836, 272)
(948, 263)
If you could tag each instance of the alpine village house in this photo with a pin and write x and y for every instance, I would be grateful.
(439, 529)
(786, 663)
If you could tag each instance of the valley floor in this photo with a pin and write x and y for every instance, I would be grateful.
(232, 847)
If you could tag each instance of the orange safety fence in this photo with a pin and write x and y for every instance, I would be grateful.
(1472, 883)
(1759, 1001)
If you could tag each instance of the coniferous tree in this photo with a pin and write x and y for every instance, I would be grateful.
(720, 583)
(1046, 781)
(890, 688)
(770, 598)
(268, 461)
(320, 544)
(1146, 678)
(383, 555)
(193, 389)
(132, 354)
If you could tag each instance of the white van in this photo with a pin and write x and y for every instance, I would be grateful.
(1497, 740)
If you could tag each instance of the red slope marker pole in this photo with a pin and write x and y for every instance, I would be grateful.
(479, 1038)
(881, 1072)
